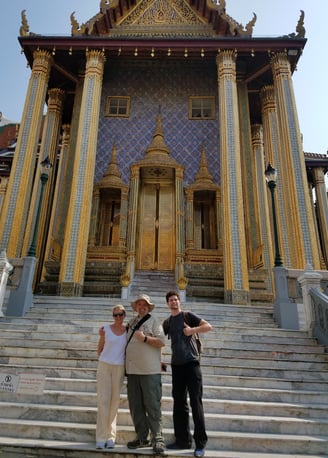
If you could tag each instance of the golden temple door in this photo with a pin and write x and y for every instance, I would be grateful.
(156, 227)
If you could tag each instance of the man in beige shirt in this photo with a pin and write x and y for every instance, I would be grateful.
(143, 369)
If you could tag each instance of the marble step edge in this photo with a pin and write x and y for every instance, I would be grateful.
(44, 447)
(310, 374)
(213, 436)
(225, 337)
(221, 405)
(229, 380)
(239, 354)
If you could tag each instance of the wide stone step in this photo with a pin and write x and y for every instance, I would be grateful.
(214, 347)
(77, 320)
(270, 390)
(217, 440)
(224, 338)
(59, 448)
(88, 352)
(257, 368)
(244, 420)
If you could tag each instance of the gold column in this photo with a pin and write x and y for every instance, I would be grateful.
(266, 237)
(271, 147)
(322, 209)
(132, 227)
(48, 148)
(236, 288)
(190, 219)
(71, 276)
(251, 205)
(3, 189)
(16, 203)
(293, 179)
(53, 249)
(180, 233)
(94, 217)
(123, 216)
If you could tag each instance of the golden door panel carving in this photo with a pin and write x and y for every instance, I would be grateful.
(156, 244)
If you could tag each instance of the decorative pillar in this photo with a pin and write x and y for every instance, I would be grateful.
(236, 288)
(132, 230)
(321, 209)
(71, 276)
(48, 148)
(53, 248)
(267, 254)
(251, 204)
(123, 216)
(3, 189)
(190, 219)
(16, 204)
(94, 217)
(301, 235)
(180, 237)
(271, 148)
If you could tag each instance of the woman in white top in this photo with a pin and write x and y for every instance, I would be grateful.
(110, 376)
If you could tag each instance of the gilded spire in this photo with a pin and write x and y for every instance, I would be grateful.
(203, 175)
(112, 176)
(158, 144)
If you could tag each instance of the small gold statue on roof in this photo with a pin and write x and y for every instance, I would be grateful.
(24, 28)
(300, 29)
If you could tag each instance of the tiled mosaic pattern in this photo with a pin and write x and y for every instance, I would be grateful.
(154, 85)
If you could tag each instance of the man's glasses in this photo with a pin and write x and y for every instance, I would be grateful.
(118, 314)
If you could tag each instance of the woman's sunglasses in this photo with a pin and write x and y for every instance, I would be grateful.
(118, 314)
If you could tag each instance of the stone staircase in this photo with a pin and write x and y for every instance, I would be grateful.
(265, 389)
(156, 282)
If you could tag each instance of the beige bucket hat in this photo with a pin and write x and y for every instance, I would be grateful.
(143, 297)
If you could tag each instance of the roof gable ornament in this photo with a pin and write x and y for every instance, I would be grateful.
(300, 29)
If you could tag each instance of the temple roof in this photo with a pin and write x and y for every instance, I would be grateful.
(144, 16)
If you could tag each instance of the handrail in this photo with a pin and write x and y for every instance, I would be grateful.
(320, 314)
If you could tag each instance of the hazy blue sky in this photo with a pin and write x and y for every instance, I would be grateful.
(274, 18)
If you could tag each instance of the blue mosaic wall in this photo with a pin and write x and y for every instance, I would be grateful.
(166, 84)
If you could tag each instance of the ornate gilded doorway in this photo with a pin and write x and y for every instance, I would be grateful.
(156, 239)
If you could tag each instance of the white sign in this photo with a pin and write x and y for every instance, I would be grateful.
(9, 382)
(24, 383)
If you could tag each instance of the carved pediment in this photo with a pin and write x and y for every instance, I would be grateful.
(162, 18)
(162, 12)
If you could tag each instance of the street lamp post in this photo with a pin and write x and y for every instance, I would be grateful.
(271, 177)
(45, 167)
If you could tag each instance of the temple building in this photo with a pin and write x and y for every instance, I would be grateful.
(162, 117)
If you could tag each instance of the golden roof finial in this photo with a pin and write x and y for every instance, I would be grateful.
(300, 29)
(158, 144)
(203, 174)
(24, 29)
(112, 176)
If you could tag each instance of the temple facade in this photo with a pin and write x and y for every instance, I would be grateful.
(161, 119)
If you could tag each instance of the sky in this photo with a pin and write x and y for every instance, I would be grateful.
(274, 18)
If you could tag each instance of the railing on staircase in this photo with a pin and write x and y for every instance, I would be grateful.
(320, 315)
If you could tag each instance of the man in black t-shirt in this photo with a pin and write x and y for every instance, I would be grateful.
(181, 328)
